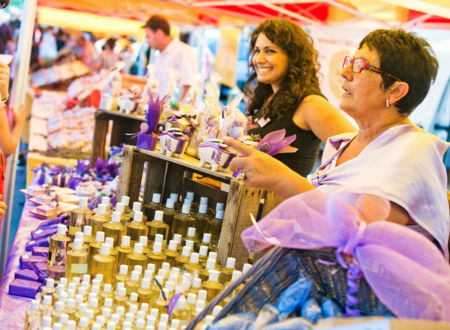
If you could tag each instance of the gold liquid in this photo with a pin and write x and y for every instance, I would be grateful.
(103, 264)
(161, 305)
(134, 259)
(192, 268)
(225, 275)
(171, 257)
(32, 318)
(200, 222)
(214, 227)
(115, 230)
(169, 214)
(156, 258)
(85, 246)
(145, 295)
(123, 252)
(76, 263)
(97, 222)
(88, 239)
(94, 249)
(181, 314)
(181, 223)
(150, 208)
(120, 300)
(79, 217)
(121, 278)
(182, 261)
(103, 295)
(132, 286)
(157, 227)
(134, 230)
(56, 263)
(130, 215)
(212, 288)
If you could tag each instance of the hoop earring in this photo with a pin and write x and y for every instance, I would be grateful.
(387, 104)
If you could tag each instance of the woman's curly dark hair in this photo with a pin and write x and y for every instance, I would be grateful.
(302, 69)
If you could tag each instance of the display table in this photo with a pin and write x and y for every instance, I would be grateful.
(122, 124)
(34, 160)
(13, 308)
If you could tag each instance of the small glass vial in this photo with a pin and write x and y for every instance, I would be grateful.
(155, 205)
(103, 264)
(182, 221)
(157, 226)
(214, 227)
(56, 264)
(212, 286)
(124, 250)
(123, 274)
(97, 220)
(94, 248)
(115, 229)
(157, 257)
(227, 271)
(79, 217)
(169, 213)
(132, 285)
(77, 260)
(136, 228)
(137, 258)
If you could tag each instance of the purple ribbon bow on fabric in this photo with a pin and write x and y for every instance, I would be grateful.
(406, 271)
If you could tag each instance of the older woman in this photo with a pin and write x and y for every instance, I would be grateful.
(283, 90)
(388, 76)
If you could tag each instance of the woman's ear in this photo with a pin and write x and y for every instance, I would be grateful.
(397, 91)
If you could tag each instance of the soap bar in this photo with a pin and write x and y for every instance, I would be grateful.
(41, 251)
(26, 274)
(44, 232)
(24, 288)
(46, 210)
(39, 242)
(53, 221)
(27, 261)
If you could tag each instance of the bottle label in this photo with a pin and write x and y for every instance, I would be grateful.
(73, 230)
(79, 268)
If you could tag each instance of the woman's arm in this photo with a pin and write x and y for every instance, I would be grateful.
(9, 139)
(2, 206)
(317, 114)
(265, 172)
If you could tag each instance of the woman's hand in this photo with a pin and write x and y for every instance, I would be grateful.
(2, 206)
(4, 80)
(265, 172)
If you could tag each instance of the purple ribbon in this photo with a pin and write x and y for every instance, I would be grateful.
(172, 302)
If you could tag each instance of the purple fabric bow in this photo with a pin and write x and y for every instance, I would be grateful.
(406, 271)
(275, 142)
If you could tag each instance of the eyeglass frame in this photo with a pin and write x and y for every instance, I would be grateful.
(366, 66)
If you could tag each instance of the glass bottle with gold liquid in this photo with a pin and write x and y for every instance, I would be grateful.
(201, 219)
(123, 274)
(157, 226)
(136, 228)
(94, 248)
(97, 220)
(121, 298)
(123, 250)
(56, 263)
(182, 221)
(169, 213)
(212, 285)
(236, 275)
(79, 217)
(227, 271)
(172, 253)
(114, 228)
(144, 241)
(210, 265)
(203, 255)
(151, 208)
(132, 285)
(87, 235)
(125, 200)
(180, 312)
(137, 258)
(113, 253)
(77, 260)
(214, 227)
(109, 209)
(190, 236)
(103, 264)
(123, 218)
(193, 266)
(137, 206)
(144, 292)
(33, 316)
(160, 303)
(183, 259)
(157, 257)
(177, 204)
(79, 235)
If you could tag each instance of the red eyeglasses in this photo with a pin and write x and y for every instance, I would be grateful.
(358, 64)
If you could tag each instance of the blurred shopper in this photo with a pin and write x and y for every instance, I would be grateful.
(48, 50)
(87, 53)
(173, 54)
(109, 57)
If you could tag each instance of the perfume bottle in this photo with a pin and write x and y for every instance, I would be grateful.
(87, 235)
(183, 259)
(161, 302)
(137, 258)
(155, 205)
(121, 298)
(79, 217)
(69, 309)
(123, 250)
(206, 241)
(203, 255)
(94, 248)
(103, 264)
(193, 266)
(201, 219)
(177, 204)
(214, 227)
(123, 218)
(33, 316)
(172, 253)
(144, 241)
(182, 221)
(113, 253)
(106, 293)
(97, 220)
(77, 260)
(144, 292)
(190, 304)
(157, 257)
(227, 271)
(132, 285)
(136, 228)
(190, 236)
(157, 226)
(125, 200)
(212, 286)
(109, 209)
(180, 312)
(48, 289)
(56, 313)
(169, 213)
(210, 265)
(236, 275)
(114, 228)
(123, 274)
(79, 235)
(137, 206)
(57, 250)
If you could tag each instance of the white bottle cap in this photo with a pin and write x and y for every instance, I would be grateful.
(216, 310)
(219, 206)
(83, 202)
(143, 240)
(63, 281)
(236, 275)
(77, 244)
(138, 269)
(204, 200)
(96, 326)
(120, 207)
(194, 258)
(137, 216)
(175, 324)
(157, 247)
(50, 283)
(245, 268)
(165, 266)
(110, 242)
(78, 299)
(202, 295)
(123, 269)
(71, 325)
(189, 243)
(144, 307)
(120, 309)
(116, 216)
(209, 319)
(125, 200)
(106, 312)
(191, 232)
(212, 255)
(145, 283)
(219, 214)
(207, 238)
(137, 248)
(177, 238)
(174, 197)
(140, 323)
(202, 208)
(170, 203)
(76, 280)
(63, 318)
(61, 229)
(196, 282)
(129, 317)
(82, 290)
(190, 195)
(186, 251)
(79, 235)
(191, 297)
(213, 275)
(122, 292)
(156, 198)
(105, 200)
(203, 251)
(120, 285)
(115, 318)
(231, 263)
(63, 296)
(101, 209)
(134, 296)
(154, 313)
(172, 245)
(34, 305)
(151, 267)
(87, 230)
(111, 325)
(46, 321)
(93, 303)
(162, 325)
(59, 326)
(210, 264)
(159, 238)
(159, 215)
(108, 302)
(164, 318)
(134, 276)
(200, 304)
(100, 237)
(104, 249)
(186, 208)
(176, 271)
(94, 292)
(59, 305)
(107, 287)
(188, 201)
(84, 322)
(137, 206)
(125, 240)
(133, 308)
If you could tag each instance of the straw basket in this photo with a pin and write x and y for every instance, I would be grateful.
(278, 269)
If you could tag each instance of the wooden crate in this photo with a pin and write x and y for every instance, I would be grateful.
(121, 125)
(168, 174)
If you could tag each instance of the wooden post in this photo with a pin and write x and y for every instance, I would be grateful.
(99, 138)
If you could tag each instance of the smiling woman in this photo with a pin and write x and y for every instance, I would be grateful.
(287, 94)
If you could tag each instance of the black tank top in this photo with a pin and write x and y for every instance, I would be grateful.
(308, 145)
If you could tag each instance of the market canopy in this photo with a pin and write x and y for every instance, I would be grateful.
(389, 13)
